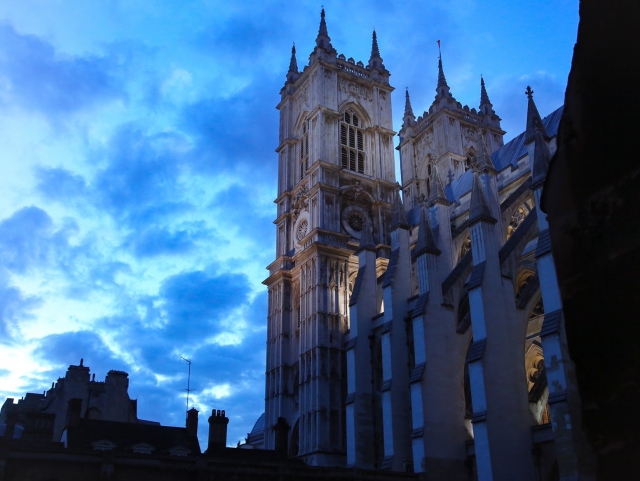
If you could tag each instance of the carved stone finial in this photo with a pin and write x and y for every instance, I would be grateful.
(529, 92)
(534, 121)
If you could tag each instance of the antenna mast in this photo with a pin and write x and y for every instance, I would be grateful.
(188, 361)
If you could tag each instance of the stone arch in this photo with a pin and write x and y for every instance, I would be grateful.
(358, 109)
(302, 117)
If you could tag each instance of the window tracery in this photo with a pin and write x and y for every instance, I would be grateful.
(351, 142)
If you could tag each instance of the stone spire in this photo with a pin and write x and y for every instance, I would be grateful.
(426, 243)
(408, 111)
(375, 61)
(375, 51)
(484, 162)
(541, 159)
(484, 98)
(442, 81)
(399, 215)
(408, 117)
(323, 40)
(292, 74)
(479, 208)
(443, 88)
(534, 121)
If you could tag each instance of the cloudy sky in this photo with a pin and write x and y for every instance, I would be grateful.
(137, 170)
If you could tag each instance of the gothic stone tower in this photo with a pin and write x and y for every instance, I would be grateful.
(336, 183)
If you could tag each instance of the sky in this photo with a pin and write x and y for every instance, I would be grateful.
(138, 172)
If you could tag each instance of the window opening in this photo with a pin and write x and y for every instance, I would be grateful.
(352, 143)
(304, 151)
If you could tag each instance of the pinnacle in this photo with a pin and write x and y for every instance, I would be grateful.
(408, 111)
(534, 121)
(322, 40)
(399, 215)
(323, 25)
(485, 163)
(442, 81)
(293, 65)
(484, 98)
(375, 51)
(479, 208)
(426, 242)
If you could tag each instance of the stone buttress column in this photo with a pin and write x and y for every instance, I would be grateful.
(501, 417)
(396, 289)
(359, 404)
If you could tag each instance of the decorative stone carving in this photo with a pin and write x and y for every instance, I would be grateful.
(360, 92)
(356, 192)
(300, 203)
(353, 220)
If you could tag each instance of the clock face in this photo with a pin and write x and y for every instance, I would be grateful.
(302, 229)
(356, 221)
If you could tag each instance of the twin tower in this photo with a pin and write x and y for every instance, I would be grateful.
(423, 334)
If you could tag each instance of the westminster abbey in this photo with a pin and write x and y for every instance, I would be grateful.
(415, 324)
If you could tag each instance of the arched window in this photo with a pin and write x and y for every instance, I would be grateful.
(351, 142)
(304, 151)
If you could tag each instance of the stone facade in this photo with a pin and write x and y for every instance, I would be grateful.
(420, 335)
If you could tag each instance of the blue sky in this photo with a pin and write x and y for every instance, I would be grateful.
(137, 170)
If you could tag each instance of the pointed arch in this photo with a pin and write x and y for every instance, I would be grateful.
(352, 140)
(363, 116)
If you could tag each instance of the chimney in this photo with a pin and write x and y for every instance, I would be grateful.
(217, 430)
(282, 436)
(192, 423)
(74, 409)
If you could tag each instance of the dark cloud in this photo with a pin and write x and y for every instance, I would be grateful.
(68, 348)
(14, 306)
(237, 133)
(196, 302)
(26, 239)
(41, 79)
(140, 182)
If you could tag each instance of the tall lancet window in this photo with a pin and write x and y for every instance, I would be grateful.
(304, 151)
(429, 174)
(352, 142)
